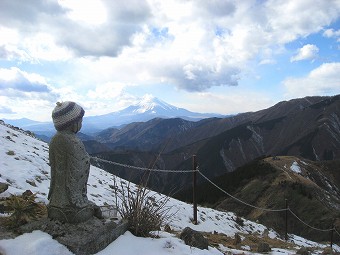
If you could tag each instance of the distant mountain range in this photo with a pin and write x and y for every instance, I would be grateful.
(146, 109)
(306, 127)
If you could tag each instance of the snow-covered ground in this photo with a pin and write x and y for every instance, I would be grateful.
(24, 165)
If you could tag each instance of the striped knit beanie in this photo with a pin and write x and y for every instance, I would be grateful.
(65, 114)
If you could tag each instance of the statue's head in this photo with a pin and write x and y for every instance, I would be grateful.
(68, 116)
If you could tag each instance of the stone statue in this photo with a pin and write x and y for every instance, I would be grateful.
(70, 166)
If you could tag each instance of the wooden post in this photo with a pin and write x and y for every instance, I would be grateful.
(286, 219)
(332, 230)
(194, 166)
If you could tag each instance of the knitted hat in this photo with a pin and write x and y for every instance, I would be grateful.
(65, 114)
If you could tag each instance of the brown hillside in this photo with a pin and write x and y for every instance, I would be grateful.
(310, 192)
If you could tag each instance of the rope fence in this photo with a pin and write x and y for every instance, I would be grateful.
(144, 168)
(196, 170)
(318, 229)
(336, 231)
(264, 209)
(239, 200)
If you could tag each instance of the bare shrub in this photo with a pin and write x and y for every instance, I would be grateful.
(23, 209)
(143, 211)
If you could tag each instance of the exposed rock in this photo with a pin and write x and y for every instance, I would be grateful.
(263, 247)
(3, 187)
(83, 238)
(303, 251)
(167, 228)
(27, 193)
(194, 238)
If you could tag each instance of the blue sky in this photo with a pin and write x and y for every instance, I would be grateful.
(221, 56)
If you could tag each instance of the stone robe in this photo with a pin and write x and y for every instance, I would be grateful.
(70, 166)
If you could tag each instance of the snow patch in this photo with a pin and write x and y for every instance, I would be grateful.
(35, 243)
(295, 168)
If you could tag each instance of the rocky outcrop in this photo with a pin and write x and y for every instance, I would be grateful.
(194, 238)
(3, 187)
(263, 247)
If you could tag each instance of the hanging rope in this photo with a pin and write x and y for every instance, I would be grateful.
(215, 185)
(239, 200)
(143, 168)
(324, 230)
(265, 209)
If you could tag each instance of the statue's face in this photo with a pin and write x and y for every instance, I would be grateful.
(77, 126)
(80, 124)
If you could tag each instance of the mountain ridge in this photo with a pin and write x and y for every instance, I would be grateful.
(223, 145)
(147, 108)
(210, 127)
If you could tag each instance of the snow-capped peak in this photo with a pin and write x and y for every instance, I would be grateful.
(149, 103)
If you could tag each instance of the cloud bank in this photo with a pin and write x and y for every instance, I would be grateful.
(320, 81)
(194, 44)
(94, 50)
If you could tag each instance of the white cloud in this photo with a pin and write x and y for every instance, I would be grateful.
(322, 81)
(308, 51)
(106, 91)
(268, 61)
(17, 80)
(6, 110)
(9, 41)
(92, 28)
(331, 33)
(90, 12)
(289, 20)
(237, 101)
(41, 46)
(194, 46)
(25, 94)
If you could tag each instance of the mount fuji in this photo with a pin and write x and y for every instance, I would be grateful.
(147, 108)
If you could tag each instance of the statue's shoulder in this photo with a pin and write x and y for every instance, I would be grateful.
(62, 139)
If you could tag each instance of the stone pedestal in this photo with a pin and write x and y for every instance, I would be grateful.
(71, 215)
(83, 238)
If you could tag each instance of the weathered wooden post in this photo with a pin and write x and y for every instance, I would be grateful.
(332, 230)
(194, 166)
(286, 219)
